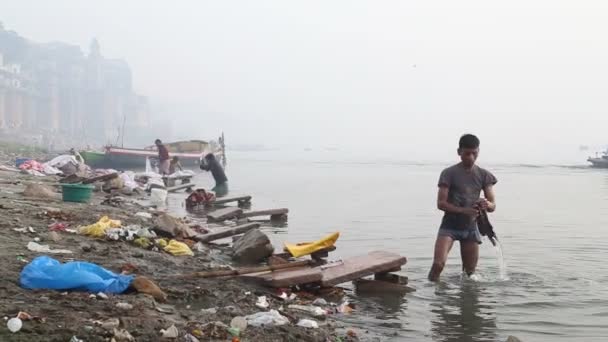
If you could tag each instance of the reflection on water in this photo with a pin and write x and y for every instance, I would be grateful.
(460, 316)
(551, 222)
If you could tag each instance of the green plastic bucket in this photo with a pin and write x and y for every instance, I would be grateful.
(77, 192)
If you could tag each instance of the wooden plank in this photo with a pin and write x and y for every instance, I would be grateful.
(287, 278)
(180, 187)
(379, 287)
(224, 200)
(361, 266)
(226, 232)
(224, 214)
(100, 178)
(271, 212)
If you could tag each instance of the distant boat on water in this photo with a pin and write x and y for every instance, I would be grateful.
(600, 160)
(189, 152)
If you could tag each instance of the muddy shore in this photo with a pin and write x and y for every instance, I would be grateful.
(193, 305)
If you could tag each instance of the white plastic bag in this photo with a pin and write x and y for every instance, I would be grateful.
(158, 197)
(268, 319)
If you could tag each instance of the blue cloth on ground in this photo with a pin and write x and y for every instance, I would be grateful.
(47, 273)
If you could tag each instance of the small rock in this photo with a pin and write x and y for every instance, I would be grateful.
(122, 336)
(253, 247)
(54, 236)
(102, 295)
(37, 239)
(320, 302)
(124, 306)
(210, 311)
(110, 324)
(171, 332)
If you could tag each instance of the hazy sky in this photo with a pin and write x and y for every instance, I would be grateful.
(406, 77)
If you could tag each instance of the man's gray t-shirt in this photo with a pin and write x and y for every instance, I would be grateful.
(464, 189)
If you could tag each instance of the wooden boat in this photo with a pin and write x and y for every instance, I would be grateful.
(599, 161)
(189, 152)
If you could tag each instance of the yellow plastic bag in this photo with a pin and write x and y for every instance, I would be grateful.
(178, 248)
(99, 229)
(305, 248)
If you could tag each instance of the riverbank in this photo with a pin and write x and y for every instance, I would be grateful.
(202, 308)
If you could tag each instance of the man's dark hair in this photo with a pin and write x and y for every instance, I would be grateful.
(157, 141)
(468, 141)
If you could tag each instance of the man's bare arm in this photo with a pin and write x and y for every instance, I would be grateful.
(488, 193)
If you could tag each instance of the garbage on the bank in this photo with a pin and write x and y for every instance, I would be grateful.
(39, 191)
(124, 306)
(99, 229)
(305, 248)
(309, 309)
(199, 197)
(142, 242)
(158, 197)
(239, 323)
(170, 332)
(262, 303)
(178, 248)
(14, 324)
(308, 323)
(144, 214)
(122, 335)
(267, 318)
(36, 247)
(47, 273)
(345, 307)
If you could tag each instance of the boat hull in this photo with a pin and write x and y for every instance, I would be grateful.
(601, 163)
(121, 158)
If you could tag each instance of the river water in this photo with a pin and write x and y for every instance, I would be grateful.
(551, 221)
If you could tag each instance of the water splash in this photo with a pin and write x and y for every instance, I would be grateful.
(502, 266)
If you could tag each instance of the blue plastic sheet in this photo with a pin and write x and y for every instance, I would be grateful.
(47, 273)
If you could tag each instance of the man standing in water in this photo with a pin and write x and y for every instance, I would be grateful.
(458, 197)
(163, 158)
(221, 181)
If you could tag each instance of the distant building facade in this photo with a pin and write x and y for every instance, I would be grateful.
(56, 91)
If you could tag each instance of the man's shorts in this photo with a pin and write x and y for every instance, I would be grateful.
(461, 234)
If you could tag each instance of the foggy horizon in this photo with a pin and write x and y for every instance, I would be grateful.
(393, 78)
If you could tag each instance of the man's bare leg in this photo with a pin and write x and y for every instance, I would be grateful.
(442, 249)
(469, 252)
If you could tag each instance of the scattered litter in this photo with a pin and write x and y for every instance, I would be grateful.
(310, 309)
(262, 303)
(58, 226)
(36, 239)
(171, 332)
(75, 339)
(142, 242)
(47, 273)
(345, 307)
(199, 247)
(54, 236)
(124, 306)
(239, 323)
(99, 229)
(122, 336)
(14, 324)
(144, 215)
(190, 338)
(267, 319)
(166, 309)
(102, 295)
(178, 248)
(235, 332)
(38, 248)
(308, 323)
(320, 302)
(289, 298)
(210, 311)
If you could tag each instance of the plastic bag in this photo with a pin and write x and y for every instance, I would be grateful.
(269, 319)
(158, 197)
(47, 273)
(178, 248)
(99, 229)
